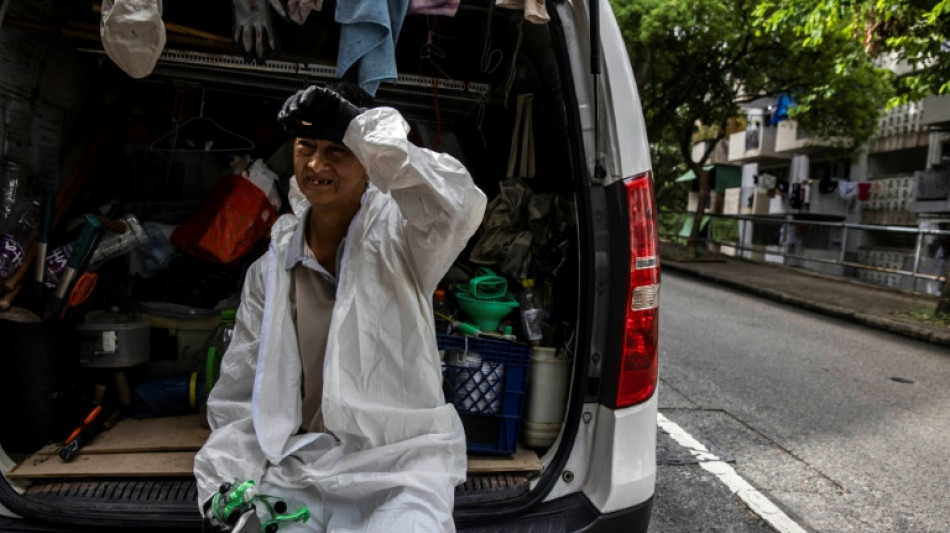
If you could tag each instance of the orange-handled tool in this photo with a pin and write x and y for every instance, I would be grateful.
(90, 418)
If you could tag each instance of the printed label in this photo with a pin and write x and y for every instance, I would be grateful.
(533, 322)
(11, 255)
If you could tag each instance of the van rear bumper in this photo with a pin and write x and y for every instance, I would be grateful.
(571, 513)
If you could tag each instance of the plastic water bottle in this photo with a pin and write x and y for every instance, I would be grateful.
(21, 228)
(9, 190)
(532, 312)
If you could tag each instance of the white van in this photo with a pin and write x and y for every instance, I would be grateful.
(460, 77)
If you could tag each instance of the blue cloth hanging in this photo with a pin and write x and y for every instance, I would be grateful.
(368, 35)
(781, 109)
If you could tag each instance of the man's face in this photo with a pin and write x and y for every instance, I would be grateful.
(328, 173)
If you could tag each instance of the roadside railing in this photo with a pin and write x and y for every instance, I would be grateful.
(904, 257)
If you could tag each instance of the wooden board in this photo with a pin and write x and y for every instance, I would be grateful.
(164, 464)
(522, 461)
(163, 447)
(165, 434)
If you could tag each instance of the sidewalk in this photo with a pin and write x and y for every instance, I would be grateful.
(872, 306)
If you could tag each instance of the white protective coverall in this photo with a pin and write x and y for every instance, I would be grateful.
(397, 450)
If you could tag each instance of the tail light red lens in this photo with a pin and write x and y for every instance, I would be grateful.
(638, 366)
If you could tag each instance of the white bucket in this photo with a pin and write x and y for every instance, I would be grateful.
(539, 438)
(547, 387)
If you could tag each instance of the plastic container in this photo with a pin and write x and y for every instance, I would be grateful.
(547, 386)
(109, 340)
(485, 380)
(547, 396)
(168, 396)
(179, 344)
(487, 314)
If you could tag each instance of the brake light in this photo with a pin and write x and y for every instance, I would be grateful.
(638, 364)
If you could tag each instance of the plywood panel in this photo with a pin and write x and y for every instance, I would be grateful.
(173, 433)
(164, 464)
(522, 461)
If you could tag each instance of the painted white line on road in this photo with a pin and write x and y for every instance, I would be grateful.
(757, 502)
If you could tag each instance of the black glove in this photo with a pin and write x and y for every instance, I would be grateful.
(317, 113)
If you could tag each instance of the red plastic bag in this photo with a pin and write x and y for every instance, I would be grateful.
(233, 216)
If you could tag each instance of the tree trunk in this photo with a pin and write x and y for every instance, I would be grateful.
(703, 177)
(685, 146)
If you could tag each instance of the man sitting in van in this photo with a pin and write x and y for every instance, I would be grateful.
(330, 392)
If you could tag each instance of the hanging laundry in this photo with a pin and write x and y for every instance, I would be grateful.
(847, 190)
(133, 34)
(253, 30)
(446, 8)
(864, 191)
(299, 10)
(879, 189)
(368, 34)
(797, 198)
(781, 109)
(534, 10)
(827, 186)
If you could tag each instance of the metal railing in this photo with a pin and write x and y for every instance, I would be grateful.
(882, 254)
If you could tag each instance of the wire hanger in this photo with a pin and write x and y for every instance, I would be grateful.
(212, 139)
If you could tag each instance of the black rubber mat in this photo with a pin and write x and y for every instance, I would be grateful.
(167, 491)
(477, 489)
(490, 488)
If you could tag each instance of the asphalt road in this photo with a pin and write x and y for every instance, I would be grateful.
(843, 427)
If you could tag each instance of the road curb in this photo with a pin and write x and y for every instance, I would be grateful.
(883, 323)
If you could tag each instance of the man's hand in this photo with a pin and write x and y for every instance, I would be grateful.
(317, 113)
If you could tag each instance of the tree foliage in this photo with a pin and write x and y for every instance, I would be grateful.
(696, 61)
(913, 32)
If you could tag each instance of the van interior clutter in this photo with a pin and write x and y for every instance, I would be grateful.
(133, 205)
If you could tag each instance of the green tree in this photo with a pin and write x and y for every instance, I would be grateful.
(696, 61)
(913, 32)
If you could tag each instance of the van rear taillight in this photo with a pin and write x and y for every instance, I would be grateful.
(638, 364)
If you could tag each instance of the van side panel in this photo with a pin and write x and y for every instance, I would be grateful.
(623, 101)
(624, 149)
(623, 461)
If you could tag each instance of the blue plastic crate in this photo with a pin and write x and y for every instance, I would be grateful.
(487, 390)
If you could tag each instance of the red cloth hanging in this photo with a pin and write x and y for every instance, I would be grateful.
(864, 191)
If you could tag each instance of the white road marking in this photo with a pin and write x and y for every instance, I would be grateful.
(757, 502)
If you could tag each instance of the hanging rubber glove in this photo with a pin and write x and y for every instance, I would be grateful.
(299, 10)
(280, 6)
(253, 33)
(317, 113)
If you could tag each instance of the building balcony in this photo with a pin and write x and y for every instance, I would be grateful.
(902, 127)
(755, 145)
(791, 139)
(936, 111)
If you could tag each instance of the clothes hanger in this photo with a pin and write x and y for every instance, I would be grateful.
(214, 139)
